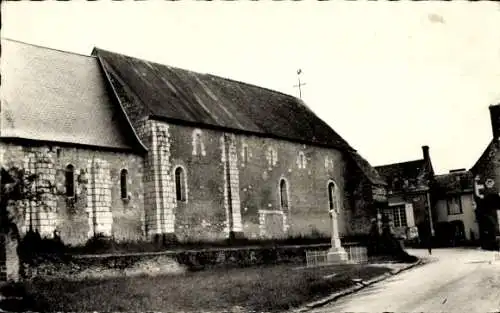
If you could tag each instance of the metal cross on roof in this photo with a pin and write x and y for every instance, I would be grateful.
(299, 71)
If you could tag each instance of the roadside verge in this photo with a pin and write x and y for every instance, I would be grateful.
(359, 285)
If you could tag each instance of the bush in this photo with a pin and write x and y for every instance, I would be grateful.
(32, 248)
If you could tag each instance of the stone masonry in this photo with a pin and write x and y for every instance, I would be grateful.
(46, 204)
(96, 206)
(99, 198)
(158, 184)
(228, 145)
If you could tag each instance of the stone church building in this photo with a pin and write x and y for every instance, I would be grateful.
(133, 149)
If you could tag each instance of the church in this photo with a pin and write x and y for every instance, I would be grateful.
(132, 149)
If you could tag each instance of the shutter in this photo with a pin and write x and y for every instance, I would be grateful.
(409, 214)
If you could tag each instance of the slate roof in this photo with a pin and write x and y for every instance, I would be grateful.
(455, 182)
(181, 95)
(55, 96)
(396, 174)
(370, 173)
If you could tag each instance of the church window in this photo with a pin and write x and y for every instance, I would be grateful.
(70, 181)
(283, 194)
(180, 184)
(272, 156)
(328, 163)
(301, 160)
(333, 198)
(198, 145)
(123, 183)
(244, 154)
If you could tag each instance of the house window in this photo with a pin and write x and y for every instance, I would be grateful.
(180, 184)
(397, 184)
(272, 156)
(70, 181)
(198, 146)
(301, 160)
(283, 194)
(332, 197)
(454, 205)
(123, 183)
(398, 216)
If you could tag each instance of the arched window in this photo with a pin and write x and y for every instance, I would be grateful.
(244, 154)
(283, 194)
(123, 184)
(198, 146)
(333, 197)
(180, 184)
(272, 156)
(301, 160)
(70, 181)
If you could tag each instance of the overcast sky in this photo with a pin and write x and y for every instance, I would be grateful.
(389, 77)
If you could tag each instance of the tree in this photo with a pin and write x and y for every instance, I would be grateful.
(16, 185)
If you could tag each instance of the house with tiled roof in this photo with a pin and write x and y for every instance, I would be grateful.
(409, 196)
(486, 181)
(455, 207)
(137, 149)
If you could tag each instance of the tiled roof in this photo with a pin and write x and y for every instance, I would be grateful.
(455, 182)
(397, 175)
(370, 173)
(56, 96)
(181, 95)
(483, 162)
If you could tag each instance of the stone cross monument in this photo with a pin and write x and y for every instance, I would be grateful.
(336, 254)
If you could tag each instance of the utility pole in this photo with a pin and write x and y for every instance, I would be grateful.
(299, 71)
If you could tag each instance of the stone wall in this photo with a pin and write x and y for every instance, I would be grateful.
(162, 263)
(96, 205)
(306, 172)
(231, 183)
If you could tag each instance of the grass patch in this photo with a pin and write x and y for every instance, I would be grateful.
(268, 288)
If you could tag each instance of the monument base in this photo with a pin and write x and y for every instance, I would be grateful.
(337, 255)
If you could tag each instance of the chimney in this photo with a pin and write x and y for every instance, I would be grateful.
(425, 151)
(495, 120)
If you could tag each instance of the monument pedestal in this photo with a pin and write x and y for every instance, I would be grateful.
(337, 255)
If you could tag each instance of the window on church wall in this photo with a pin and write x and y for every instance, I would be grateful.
(328, 163)
(244, 154)
(333, 199)
(123, 184)
(70, 181)
(180, 184)
(302, 160)
(283, 194)
(272, 156)
(198, 145)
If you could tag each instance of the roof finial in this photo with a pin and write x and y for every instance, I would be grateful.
(299, 71)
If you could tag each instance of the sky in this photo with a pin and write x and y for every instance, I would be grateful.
(389, 77)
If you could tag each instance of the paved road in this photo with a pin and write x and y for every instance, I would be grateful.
(454, 280)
